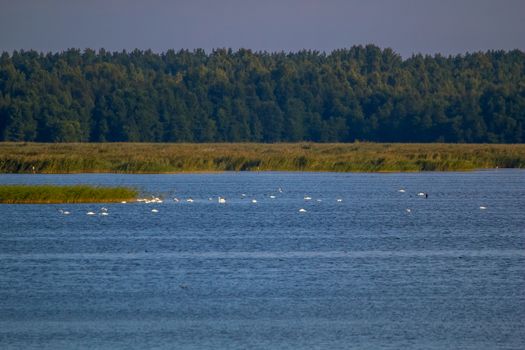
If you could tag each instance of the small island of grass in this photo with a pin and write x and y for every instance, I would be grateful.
(36, 194)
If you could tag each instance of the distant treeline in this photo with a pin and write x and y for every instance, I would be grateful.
(361, 93)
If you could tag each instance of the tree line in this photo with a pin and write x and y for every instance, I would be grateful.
(361, 93)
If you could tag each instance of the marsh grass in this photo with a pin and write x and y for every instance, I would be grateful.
(13, 194)
(173, 158)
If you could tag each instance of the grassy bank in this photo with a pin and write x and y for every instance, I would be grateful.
(64, 194)
(166, 158)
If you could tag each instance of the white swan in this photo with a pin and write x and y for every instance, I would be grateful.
(222, 200)
(154, 211)
(302, 210)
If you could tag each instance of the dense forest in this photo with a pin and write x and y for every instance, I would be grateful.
(361, 93)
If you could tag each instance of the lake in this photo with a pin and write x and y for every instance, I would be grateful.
(366, 266)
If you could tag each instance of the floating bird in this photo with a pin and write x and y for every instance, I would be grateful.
(123, 202)
(402, 191)
(408, 210)
(104, 213)
(104, 209)
(189, 200)
(222, 200)
(272, 197)
(154, 211)
(176, 200)
(307, 198)
(302, 210)
(280, 190)
(421, 194)
(90, 213)
(339, 200)
(65, 212)
(319, 200)
(482, 207)
(254, 200)
(243, 195)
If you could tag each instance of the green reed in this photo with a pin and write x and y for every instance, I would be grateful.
(173, 158)
(64, 194)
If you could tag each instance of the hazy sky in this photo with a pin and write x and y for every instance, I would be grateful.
(407, 26)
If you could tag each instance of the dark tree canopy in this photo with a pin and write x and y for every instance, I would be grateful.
(361, 93)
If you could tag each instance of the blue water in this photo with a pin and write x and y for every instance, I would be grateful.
(363, 273)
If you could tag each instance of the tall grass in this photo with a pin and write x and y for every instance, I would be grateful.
(64, 194)
(167, 158)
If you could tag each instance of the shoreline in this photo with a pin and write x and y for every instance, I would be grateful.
(185, 158)
(190, 172)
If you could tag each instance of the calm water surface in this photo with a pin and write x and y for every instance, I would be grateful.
(361, 273)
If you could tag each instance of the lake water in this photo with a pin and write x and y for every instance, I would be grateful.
(360, 273)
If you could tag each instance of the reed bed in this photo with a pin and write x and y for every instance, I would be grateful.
(14, 194)
(174, 158)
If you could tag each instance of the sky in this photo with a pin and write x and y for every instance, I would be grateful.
(407, 26)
